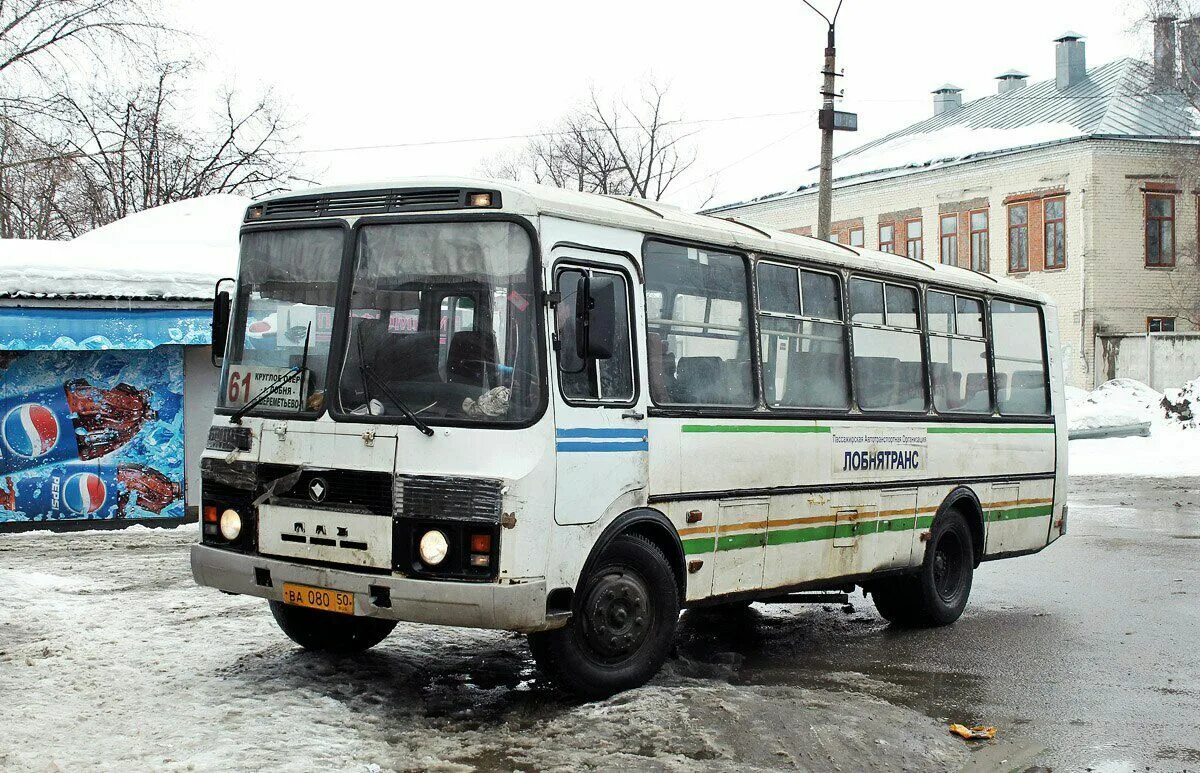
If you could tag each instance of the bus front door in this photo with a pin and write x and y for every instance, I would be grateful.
(600, 414)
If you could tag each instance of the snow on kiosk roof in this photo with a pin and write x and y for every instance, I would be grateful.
(665, 220)
(173, 252)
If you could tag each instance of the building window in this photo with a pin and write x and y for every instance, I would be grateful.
(1160, 324)
(887, 237)
(1160, 229)
(857, 239)
(1018, 237)
(914, 242)
(950, 240)
(979, 241)
(833, 237)
(1056, 233)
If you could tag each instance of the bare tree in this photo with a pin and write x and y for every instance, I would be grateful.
(139, 148)
(39, 186)
(606, 146)
(43, 38)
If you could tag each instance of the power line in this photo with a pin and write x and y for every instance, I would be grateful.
(748, 156)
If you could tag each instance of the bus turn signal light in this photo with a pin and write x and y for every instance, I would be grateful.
(479, 200)
(481, 543)
(210, 513)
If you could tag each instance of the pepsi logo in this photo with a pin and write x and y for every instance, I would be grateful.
(84, 493)
(30, 430)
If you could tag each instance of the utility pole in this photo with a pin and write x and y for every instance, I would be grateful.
(829, 121)
(825, 193)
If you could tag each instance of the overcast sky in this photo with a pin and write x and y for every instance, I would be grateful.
(362, 72)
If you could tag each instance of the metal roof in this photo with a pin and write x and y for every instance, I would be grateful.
(1116, 100)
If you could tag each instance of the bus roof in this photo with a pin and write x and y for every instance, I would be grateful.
(657, 218)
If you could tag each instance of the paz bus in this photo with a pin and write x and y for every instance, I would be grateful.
(472, 403)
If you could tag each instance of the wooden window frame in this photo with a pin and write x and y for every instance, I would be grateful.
(985, 264)
(1047, 221)
(1147, 218)
(1018, 227)
(919, 241)
(943, 236)
(862, 236)
(889, 245)
(1160, 320)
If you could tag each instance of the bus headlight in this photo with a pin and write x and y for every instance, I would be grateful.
(433, 547)
(231, 525)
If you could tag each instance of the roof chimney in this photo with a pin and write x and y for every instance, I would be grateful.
(1189, 55)
(1011, 81)
(1070, 65)
(1164, 51)
(946, 98)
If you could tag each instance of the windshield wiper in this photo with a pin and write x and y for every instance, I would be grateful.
(302, 368)
(369, 372)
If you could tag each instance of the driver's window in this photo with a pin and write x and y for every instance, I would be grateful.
(608, 380)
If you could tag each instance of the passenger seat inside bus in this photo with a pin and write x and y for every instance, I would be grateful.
(471, 359)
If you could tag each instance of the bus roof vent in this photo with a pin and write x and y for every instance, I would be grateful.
(369, 203)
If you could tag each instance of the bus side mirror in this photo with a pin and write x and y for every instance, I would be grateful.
(222, 305)
(595, 317)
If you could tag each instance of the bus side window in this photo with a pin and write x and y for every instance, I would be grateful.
(697, 326)
(1017, 345)
(802, 338)
(888, 362)
(958, 353)
(609, 380)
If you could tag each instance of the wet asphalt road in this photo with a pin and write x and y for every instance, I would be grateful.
(1086, 656)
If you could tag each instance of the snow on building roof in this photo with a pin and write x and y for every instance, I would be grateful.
(173, 252)
(1116, 100)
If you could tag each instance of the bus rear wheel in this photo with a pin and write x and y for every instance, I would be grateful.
(321, 631)
(622, 626)
(938, 592)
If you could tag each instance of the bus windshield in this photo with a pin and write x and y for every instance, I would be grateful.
(283, 319)
(443, 324)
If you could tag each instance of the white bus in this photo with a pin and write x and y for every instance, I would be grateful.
(473, 403)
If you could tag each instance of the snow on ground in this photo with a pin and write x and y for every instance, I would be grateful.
(1171, 449)
(111, 658)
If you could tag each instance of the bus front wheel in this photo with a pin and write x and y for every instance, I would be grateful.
(321, 631)
(938, 592)
(622, 627)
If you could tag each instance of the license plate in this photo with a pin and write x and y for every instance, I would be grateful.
(318, 598)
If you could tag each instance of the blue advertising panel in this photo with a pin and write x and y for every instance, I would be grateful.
(34, 329)
(91, 435)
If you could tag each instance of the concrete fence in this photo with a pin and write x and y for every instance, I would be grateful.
(1162, 360)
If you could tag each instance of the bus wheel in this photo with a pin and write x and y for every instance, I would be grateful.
(623, 624)
(938, 592)
(321, 631)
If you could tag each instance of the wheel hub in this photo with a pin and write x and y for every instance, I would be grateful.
(617, 614)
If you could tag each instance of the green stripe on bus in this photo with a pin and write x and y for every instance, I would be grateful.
(846, 530)
(1016, 513)
(991, 430)
(753, 428)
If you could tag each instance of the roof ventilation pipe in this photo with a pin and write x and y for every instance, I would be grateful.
(946, 98)
(1011, 81)
(1070, 64)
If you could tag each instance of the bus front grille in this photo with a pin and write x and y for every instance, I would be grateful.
(428, 496)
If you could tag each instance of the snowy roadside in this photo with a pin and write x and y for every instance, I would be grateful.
(111, 658)
(1171, 449)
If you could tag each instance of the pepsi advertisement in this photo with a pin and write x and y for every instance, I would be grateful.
(91, 435)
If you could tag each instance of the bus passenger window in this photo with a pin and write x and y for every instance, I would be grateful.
(958, 354)
(888, 363)
(803, 343)
(605, 380)
(697, 326)
(1017, 343)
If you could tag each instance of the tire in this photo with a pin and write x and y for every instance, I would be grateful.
(321, 631)
(938, 592)
(607, 646)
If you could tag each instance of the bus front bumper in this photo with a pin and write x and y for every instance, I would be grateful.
(508, 606)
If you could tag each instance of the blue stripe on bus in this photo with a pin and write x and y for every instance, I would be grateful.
(586, 447)
(639, 434)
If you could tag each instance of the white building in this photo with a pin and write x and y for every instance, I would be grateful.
(1081, 185)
